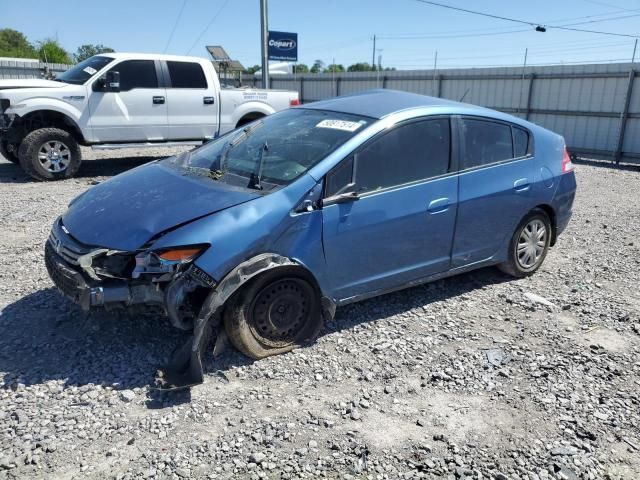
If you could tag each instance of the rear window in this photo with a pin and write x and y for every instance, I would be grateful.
(186, 75)
(485, 142)
(520, 142)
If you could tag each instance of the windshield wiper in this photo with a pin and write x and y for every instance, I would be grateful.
(236, 141)
(256, 176)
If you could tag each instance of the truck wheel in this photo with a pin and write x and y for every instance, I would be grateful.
(49, 154)
(4, 151)
(274, 313)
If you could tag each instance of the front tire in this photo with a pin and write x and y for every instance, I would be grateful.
(4, 151)
(529, 245)
(274, 313)
(50, 154)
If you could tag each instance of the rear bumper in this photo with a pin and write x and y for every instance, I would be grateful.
(563, 201)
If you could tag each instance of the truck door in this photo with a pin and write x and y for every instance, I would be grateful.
(136, 113)
(192, 102)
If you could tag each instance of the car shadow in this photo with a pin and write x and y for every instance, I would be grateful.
(102, 167)
(46, 338)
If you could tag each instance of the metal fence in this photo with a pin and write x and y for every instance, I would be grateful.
(595, 107)
(16, 69)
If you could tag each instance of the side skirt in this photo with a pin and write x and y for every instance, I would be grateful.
(420, 281)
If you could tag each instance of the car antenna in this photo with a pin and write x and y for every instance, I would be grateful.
(465, 94)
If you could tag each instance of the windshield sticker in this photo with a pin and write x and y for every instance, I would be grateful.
(89, 70)
(340, 125)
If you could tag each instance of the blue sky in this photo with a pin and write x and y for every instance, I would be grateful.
(409, 31)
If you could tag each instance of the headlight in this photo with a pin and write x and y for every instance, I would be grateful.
(165, 261)
(180, 255)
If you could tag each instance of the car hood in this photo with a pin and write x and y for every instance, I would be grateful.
(128, 210)
(30, 83)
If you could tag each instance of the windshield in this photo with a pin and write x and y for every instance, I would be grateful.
(83, 71)
(273, 151)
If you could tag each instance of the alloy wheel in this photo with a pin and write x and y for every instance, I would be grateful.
(54, 156)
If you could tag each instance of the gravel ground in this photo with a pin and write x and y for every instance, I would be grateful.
(477, 376)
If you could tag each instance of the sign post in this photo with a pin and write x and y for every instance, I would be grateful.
(283, 46)
(264, 28)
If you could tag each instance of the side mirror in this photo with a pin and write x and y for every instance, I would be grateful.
(112, 82)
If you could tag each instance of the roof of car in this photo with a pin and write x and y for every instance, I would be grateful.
(379, 103)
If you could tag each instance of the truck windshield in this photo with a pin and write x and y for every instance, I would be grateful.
(83, 71)
(272, 151)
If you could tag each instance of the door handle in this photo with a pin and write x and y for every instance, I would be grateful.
(521, 185)
(438, 205)
(158, 100)
(209, 100)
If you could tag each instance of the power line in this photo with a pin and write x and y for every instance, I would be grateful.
(473, 12)
(522, 22)
(213, 19)
(173, 30)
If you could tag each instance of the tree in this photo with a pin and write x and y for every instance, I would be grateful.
(360, 67)
(89, 50)
(334, 68)
(301, 68)
(50, 51)
(15, 44)
(252, 70)
(317, 67)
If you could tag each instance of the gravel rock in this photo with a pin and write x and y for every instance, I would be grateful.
(469, 377)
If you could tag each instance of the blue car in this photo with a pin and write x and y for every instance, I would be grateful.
(267, 229)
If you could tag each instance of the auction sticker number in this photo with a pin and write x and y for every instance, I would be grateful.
(340, 125)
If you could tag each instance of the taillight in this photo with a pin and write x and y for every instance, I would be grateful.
(294, 102)
(567, 165)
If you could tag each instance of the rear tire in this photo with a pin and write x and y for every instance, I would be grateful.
(274, 313)
(529, 245)
(50, 154)
(4, 151)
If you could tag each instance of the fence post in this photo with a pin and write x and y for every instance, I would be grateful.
(623, 117)
(439, 86)
(338, 86)
(301, 90)
(527, 111)
(384, 81)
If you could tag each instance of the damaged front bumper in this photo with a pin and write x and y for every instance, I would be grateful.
(191, 299)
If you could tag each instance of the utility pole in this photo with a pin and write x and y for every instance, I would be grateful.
(264, 33)
(635, 46)
(524, 66)
(435, 69)
(373, 54)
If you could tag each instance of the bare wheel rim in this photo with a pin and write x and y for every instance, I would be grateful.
(531, 243)
(54, 156)
(280, 312)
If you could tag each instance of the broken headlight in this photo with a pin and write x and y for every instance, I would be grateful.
(165, 262)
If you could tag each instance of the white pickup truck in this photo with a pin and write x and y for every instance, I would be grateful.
(122, 99)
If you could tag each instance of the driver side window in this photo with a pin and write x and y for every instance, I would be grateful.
(407, 153)
(137, 74)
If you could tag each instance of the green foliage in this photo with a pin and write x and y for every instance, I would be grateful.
(317, 66)
(301, 68)
(49, 50)
(15, 44)
(89, 50)
(252, 70)
(360, 67)
(334, 68)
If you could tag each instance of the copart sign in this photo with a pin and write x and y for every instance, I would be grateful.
(283, 46)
